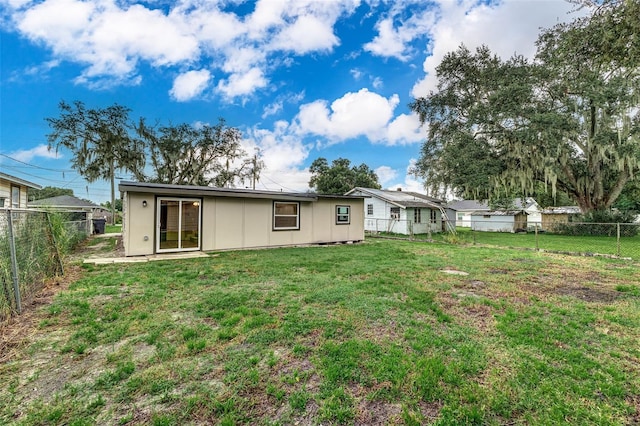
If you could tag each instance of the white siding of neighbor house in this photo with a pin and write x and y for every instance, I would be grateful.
(380, 220)
(492, 223)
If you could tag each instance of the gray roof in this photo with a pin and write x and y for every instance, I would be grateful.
(64, 201)
(19, 181)
(402, 199)
(475, 205)
(468, 205)
(562, 210)
(210, 191)
(498, 213)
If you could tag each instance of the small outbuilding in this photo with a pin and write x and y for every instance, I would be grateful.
(552, 216)
(161, 218)
(499, 221)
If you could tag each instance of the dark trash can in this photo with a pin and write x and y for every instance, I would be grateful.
(98, 226)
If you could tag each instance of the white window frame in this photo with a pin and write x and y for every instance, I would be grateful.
(180, 202)
(369, 209)
(297, 216)
(15, 200)
(343, 218)
(433, 216)
(417, 215)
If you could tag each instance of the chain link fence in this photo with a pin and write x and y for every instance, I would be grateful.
(31, 247)
(609, 239)
(400, 228)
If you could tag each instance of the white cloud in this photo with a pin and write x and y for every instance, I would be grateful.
(377, 83)
(242, 84)
(272, 109)
(506, 27)
(385, 174)
(356, 73)
(394, 41)
(362, 113)
(405, 129)
(283, 154)
(108, 40)
(189, 85)
(26, 155)
(306, 34)
(409, 183)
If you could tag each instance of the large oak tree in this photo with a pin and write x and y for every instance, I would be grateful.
(100, 141)
(205, 155)
(570, 119)
(340, 176)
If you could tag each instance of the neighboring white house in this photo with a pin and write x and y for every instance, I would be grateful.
(499, 221)
(466, 208)
(13, 191)
(400, 212)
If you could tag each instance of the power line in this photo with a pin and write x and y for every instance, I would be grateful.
(37, 167)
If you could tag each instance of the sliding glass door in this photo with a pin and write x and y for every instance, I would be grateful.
(178, 224)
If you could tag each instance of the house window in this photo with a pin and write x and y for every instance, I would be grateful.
(369, 209)
(460, 216)
(286, 215)
(434, 216)
(395, 213)
(417, 216)
(343, 215)
(15, 197)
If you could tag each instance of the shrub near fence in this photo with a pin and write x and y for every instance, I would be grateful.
(31, 247)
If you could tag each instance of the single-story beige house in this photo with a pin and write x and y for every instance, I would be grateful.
(161, 218)
(13, 191)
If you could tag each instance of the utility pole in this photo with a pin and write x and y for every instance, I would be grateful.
(253, 172)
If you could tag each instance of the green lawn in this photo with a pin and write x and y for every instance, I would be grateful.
(628, 247)
(372, 333)
(111, 229)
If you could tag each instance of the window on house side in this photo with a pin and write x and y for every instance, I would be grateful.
(369, 209)
(395, 213)
(286, 215)
(417, 216)
(15, 197)
(343, 215)
(434, 216)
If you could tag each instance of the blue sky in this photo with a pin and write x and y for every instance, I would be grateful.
(301, 79)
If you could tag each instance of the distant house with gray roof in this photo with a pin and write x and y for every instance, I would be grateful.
(401, 212)
(468, 211)
(80, 211)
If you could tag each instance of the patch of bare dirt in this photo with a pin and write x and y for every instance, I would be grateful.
(588, 294)
(476, 315)
(378, 413)
(634, 402)
(430, 410)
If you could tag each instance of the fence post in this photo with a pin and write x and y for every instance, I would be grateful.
(55, 244)
(618, 239)
(536, 230)
(14, 263)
